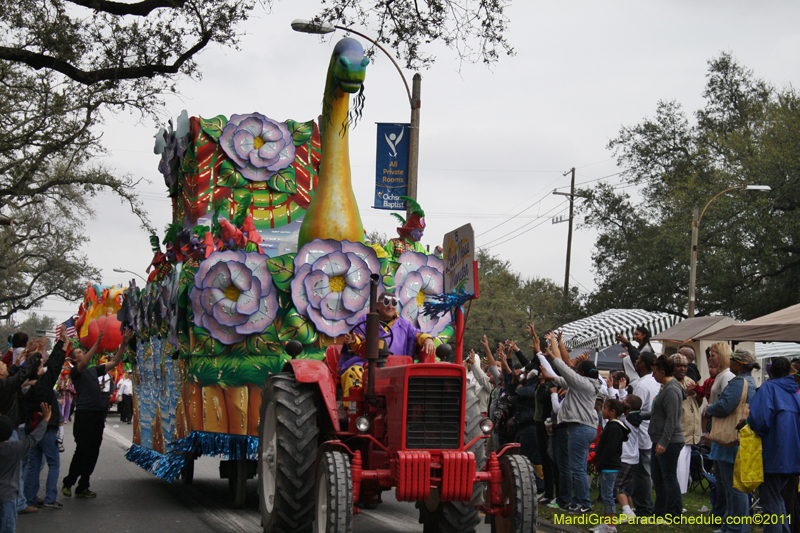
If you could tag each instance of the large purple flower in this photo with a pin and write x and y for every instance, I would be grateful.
(331, 283)
(418, 278)
(233, 295)
(258, 145)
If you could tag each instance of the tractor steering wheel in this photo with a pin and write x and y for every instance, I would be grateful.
(383, 334)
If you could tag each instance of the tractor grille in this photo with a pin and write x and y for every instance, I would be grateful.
(433, 413)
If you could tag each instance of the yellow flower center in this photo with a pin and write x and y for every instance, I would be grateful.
(258, 142)
(232, 293)
(337, 284)
(420, 298)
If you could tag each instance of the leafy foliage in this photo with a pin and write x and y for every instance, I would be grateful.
(508, 302)
(749, 242)
(33, 326)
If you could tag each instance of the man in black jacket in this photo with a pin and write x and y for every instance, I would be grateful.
(43, 391)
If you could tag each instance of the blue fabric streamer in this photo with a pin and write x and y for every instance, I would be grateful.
(170, 465)
(445, 303)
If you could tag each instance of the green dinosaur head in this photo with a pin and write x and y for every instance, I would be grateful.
(348, 65)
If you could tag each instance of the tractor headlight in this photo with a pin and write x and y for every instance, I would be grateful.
(362, 424)
(486, 425)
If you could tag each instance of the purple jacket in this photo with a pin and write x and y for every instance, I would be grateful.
(404, 342)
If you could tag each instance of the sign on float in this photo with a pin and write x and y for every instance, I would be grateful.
(459, 257)
(391, 166)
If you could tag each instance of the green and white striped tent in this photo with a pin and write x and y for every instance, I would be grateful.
(599, 330)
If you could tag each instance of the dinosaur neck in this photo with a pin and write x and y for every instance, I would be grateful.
(333, 211)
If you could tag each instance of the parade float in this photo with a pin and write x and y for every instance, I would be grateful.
(266, 246)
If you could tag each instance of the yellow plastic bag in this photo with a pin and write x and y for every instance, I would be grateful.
(748, 471)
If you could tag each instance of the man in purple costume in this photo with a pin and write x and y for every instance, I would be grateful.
(405, 339)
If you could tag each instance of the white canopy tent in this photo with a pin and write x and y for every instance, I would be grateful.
(600, 330)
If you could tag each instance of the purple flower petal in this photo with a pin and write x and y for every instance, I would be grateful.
(271, 131)
(316, 284)
(358, 274)
(314, 250)
(241, 277)
(284, 158)
(224, 334)
(435, 262)
(335, 264)
(333, 328)
(268, 151)
(243, 143)
(261, 319)
(410, 311)
(354, 299)
(224, 312)
(332, 307)
(209, 298)
(409, 262)
(257, 265)
(256, 174)
(226, 142)
(364, 252)
(253, 125)
(410, 288)
(248, 301)
(219, 277)
(299, 296)
(358, 317)
(432, 280)
(213, 259)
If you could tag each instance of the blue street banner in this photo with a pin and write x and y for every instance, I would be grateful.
(391, 166)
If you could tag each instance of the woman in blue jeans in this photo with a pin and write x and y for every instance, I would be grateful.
(578, 412)
(737, 505)
(666, 432)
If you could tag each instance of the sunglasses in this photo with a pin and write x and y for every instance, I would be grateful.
(389, 302)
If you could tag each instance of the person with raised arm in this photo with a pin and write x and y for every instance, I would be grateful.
(90, 414)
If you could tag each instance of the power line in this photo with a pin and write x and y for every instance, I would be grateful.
(515, 216)
(524, 225)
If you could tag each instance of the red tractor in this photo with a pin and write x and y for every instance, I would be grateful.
(416, 428)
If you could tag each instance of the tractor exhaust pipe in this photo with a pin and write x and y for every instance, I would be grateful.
(372, 335)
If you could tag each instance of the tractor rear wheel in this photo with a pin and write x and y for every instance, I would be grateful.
(459, 517)
(334, 494)
(287, 450)
(519, 491)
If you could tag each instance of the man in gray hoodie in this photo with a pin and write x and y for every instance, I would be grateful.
(666, 432)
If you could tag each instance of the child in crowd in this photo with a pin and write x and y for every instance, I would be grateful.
(608, 460)
(630, 456)
(11, 453)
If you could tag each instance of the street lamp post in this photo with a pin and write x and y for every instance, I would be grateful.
(130, 272)
(306, 26)
(697, 216)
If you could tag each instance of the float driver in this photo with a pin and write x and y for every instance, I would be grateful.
(405, 339)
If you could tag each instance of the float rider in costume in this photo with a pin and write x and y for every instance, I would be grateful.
(405, 340)
(410, 233)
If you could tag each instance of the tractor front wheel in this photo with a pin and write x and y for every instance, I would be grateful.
(287, 450)
(519, 492)
(334, 494)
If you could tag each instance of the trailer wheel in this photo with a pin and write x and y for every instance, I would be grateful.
(237, 484)
(459, 517)
(518, 492)
(334, 494)
(287, 450)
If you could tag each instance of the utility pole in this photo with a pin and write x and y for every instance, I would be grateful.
(413, 140)
(569, 234)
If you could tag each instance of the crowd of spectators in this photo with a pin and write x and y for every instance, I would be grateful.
(37, 390)
(638, 431)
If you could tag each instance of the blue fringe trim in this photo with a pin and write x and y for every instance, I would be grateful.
(144, 457)
(170, 465)
(446, 302)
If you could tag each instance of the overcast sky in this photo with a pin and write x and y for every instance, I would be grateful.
(495, 141)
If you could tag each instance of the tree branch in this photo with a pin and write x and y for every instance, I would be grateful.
(140, 9)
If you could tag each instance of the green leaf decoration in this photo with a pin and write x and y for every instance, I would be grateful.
(388, 269)
(205, 345)
(282, 270)
(301, 131)
(284, 180)
(213, 126)
(264, 344)
(311, 352)
(229, 176)
(299, 328)
(251, 247)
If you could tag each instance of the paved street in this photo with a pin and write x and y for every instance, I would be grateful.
(131, 500)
